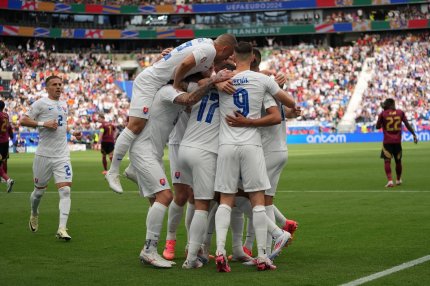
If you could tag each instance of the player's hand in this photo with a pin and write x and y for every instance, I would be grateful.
(415, 139)
(238, 120)
(280, 79)
(222, 75)
(297, 111)
(51, 124)
(166, 52)
(226, 86)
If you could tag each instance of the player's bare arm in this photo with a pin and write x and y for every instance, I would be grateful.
(293, 112)
(285, 98)
(411, 129)
(192, 98)
(187, 64)
(272, 117)
(27, 121)
(280, 79)
(226, 86)
(379, 122)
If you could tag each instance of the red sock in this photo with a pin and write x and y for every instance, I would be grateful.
(3, 173)
(104, 163)
(387, 165)
(399, 170)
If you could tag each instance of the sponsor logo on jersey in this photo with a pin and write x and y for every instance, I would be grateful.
(177, 174)
(203, 60)
(145, 110)
(163, 182)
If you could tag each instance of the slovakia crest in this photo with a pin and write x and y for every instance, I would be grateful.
(177, 174)
(145, 110)
(163, 182)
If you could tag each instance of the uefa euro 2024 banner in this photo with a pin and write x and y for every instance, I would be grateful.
(323, 138)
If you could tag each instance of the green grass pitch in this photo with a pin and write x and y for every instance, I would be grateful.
(350, 226)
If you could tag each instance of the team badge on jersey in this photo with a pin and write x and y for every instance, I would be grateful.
(163, 181)
(177, 174)
(145, 110)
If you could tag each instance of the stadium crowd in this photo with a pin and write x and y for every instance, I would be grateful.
(402, 72)
(88, 83)
(321, 79)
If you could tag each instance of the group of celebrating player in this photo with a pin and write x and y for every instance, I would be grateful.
(224, 122)
(220, 112)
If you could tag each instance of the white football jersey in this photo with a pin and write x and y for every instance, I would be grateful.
(203, 126)
(178, 131)
(252, 91)
(204, 53)
(273, 137)
(52, 143)
(164, 115)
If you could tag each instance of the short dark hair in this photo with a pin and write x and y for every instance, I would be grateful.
(257, 58)
(243, 48)
(2, 105)
(388, 104)
(49, 78)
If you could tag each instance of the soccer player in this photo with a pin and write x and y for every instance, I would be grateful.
(197, 159)
(5, 134)
(189, 58)
(108, 131)
(52, 157)
(240, 154)
(390, 120)
(182, 192)
(146, 156)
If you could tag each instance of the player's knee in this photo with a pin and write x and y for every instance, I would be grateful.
(136, 124)
(38, 192)
(64, 192)
(164, 197)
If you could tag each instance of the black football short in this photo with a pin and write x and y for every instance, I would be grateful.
(392, 151)
(107, 147)
(4, 151)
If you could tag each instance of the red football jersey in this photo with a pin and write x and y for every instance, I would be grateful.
(391, 121)
(4, 127)
(108, 132)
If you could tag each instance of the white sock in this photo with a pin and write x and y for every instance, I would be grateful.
(271, 215)
(260, 226)
(188, 218)
(173, 220)
(154, 223)
(245, 206)
(35, 198)
(197, 230)
(211, 225)
(273, 229)
(280, 218)
(236, 225)
(222, 223)
(122, 145)
(64, 205)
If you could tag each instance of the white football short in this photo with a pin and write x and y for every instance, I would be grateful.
(45, 167)
(201, 164)
(178, 174)
(245, 161)
(150, 172)
(275, 162)
(143, 92)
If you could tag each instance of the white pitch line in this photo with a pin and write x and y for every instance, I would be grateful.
(395, 269)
